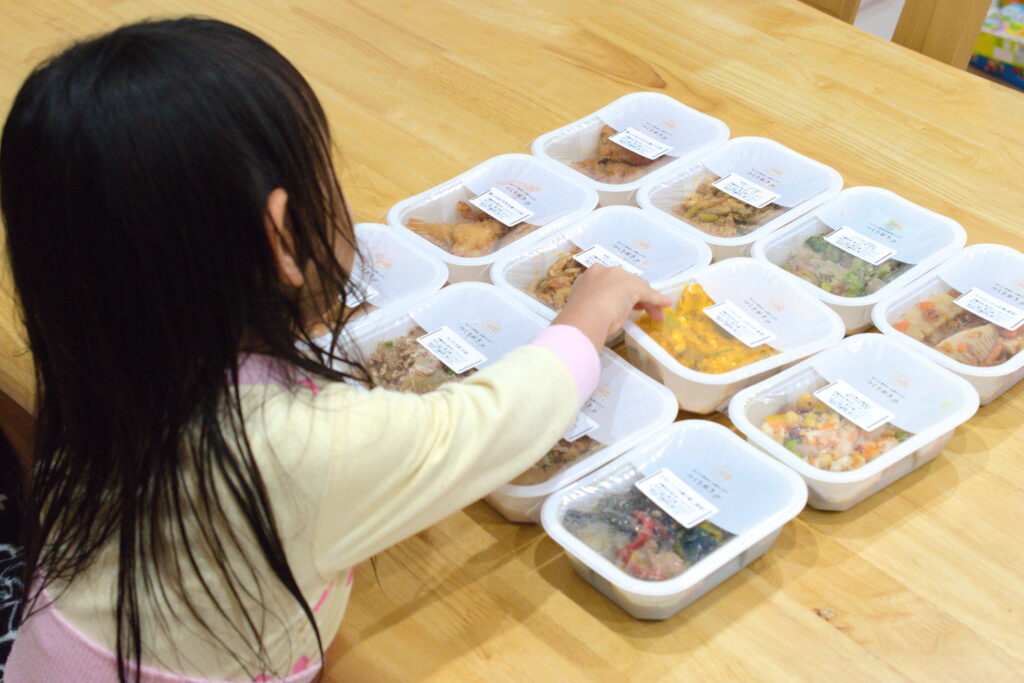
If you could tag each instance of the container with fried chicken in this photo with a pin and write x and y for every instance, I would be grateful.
(733, 323)
(739, 192)
(855, 417)
(671, 519)
(472, 220)
(542, 276)
(966, 315)
(860, 246)
(629, 141)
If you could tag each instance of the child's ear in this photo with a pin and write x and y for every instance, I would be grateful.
(281, 239)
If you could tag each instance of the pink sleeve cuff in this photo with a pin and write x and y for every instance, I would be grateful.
(580, 357)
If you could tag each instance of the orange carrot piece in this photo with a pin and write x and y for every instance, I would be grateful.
(902, 325)
(926, 305)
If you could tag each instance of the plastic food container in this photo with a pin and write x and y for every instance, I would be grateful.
(749, 496)
(519, 189)
(991, 277)
(391, 268)
(639, 239)
(793, 322)
(660, 118)
(900, 241)
(906, 394)
(777, 185)
(626, 408)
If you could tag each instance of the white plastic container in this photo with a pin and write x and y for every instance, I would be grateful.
(553, 196)
(689, 132)
(392, 269)
(994, 269)
(627, 407)
(920, 238)
(800, 183)
(755, 496)
(922, 399)
(801, 325)
(639, 238)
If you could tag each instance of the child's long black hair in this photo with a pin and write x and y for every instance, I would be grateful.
(134, 175)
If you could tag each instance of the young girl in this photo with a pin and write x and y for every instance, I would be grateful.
(202, 488)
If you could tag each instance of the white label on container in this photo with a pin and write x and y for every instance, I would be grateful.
(501, 207)
(853, 405)
(745, 190)
(990, 308)
(581, 426)
(739, 324)
(644, 145)
(452, 350)
(359, 292)
(598, 254)
(676, 497)
(861, 246)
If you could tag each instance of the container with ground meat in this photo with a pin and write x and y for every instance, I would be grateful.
(626, 408)
(630, 141)
(656, 528)
(542, 275)
(733, 324)
(967, 315)
(473, 219)
(855, 418)
(740, 192)
(860, 246)
(478, 324)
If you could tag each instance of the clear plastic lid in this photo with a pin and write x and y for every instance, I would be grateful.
(475, 217)
(390, 267)
(734, 319)
(655, 250)
(622, 144)
(968, 314)
(741, 190)
(854, 409)
(861, 243)
(670, 512)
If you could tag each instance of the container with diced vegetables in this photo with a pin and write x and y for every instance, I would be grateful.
(473, 219)
(860, 246)
(734, 323)
(739, 192)
(855, 418)
(663, 524)
(633, 139)
(967, 315)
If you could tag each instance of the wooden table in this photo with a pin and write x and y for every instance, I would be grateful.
(922, 581)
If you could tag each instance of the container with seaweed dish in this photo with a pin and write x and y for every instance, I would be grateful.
(668, 521)
(855, 417)
(967, 315)
(739, 192)
(733, 323)
(859, 247)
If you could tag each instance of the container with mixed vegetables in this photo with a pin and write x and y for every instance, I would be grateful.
(839, 272)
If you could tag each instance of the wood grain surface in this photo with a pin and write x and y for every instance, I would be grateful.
(920, 582)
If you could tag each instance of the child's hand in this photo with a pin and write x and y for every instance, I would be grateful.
(602, 299)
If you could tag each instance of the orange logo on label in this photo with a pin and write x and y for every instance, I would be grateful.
(776, 170)
(901, 380)
(522, 186)
(603, 390)
(1019, 284)
(723, 473)
(775, 305)
(894, 224)
(642, 243)
(668, 123)
(492, 325)
(383, 260)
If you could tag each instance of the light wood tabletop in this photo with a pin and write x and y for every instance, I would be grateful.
(922, 581)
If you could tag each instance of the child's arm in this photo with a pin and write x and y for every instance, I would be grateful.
(401, 462)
